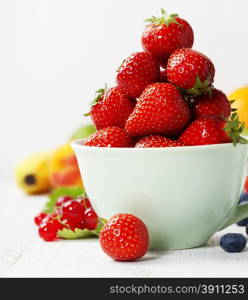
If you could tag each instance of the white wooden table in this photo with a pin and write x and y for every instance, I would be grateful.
(24, 254)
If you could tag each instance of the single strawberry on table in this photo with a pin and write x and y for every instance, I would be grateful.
(166, 34)
(213, 102)
(190, 70)
(159, 110)
(111, 107)
(110, 137)
(136, 72)
(209, 130)
(156, 141)
(124, 238)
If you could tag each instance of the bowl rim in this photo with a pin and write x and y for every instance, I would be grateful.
(78, 144)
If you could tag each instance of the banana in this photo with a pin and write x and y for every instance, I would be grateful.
(32, 173)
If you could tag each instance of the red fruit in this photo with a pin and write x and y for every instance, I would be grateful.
(155, 141)
(165, 35)
(124, 238)
(159, 110)
(85, 202)
(246, 186)
(39, 218)
(112, 108)
(62, 200)
(205, 131)
(72, 225)
(48, 231)
(72, 211)
(214, 103)
(109, 137)
(163, 76)
(90, 219)
(136, 72)
(190, 70)
(52, 219)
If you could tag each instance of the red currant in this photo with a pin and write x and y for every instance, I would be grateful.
(72, 211)
(48, 231)
(73, 225)
(39, 218)
(62, 200)
(85, 202)
(53, 219)
(90, 219)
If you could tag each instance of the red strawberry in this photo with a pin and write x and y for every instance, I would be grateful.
(109, 137)
(213, 103)
(155, 141)
(124, 238)
(165, 35)
(136, 72)
(190, 70)
(112, 108)
(213, 130)
(163, 76)
(159, 110)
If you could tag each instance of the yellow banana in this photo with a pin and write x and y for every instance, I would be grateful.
(32, 173)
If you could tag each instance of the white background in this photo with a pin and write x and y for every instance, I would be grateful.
(55, 53)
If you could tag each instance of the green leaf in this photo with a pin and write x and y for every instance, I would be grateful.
(76, 234)
(83, 132)
(81, 233)
(74, 192)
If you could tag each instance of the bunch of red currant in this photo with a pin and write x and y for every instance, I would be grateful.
(69, 213)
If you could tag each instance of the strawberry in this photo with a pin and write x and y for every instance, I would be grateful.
(213, 103)
(109, 137)
(136, 72)
(163, 76)
(112, 107)
(124, 238)
(213, 130)
(165, 35)
(191, 71)
(159, 110)
(155, 141)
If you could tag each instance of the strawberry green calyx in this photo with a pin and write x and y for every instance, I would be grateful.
(234, 129)
(198, 89)
(99, 94)
(231, 103)
(165, 19)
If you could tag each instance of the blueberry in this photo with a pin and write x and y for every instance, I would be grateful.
(243, 198)
(233, 242)
(243, 222)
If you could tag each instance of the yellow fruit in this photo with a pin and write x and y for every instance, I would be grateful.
(63, 168)
(241, 103)
(32, 173)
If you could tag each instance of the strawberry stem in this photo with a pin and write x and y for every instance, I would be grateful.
(99, 94)
(165, 19)
(234, 129)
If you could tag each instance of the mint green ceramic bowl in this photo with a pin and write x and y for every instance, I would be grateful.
(183, 194)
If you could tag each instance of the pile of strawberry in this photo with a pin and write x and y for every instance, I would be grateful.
(164, 96)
